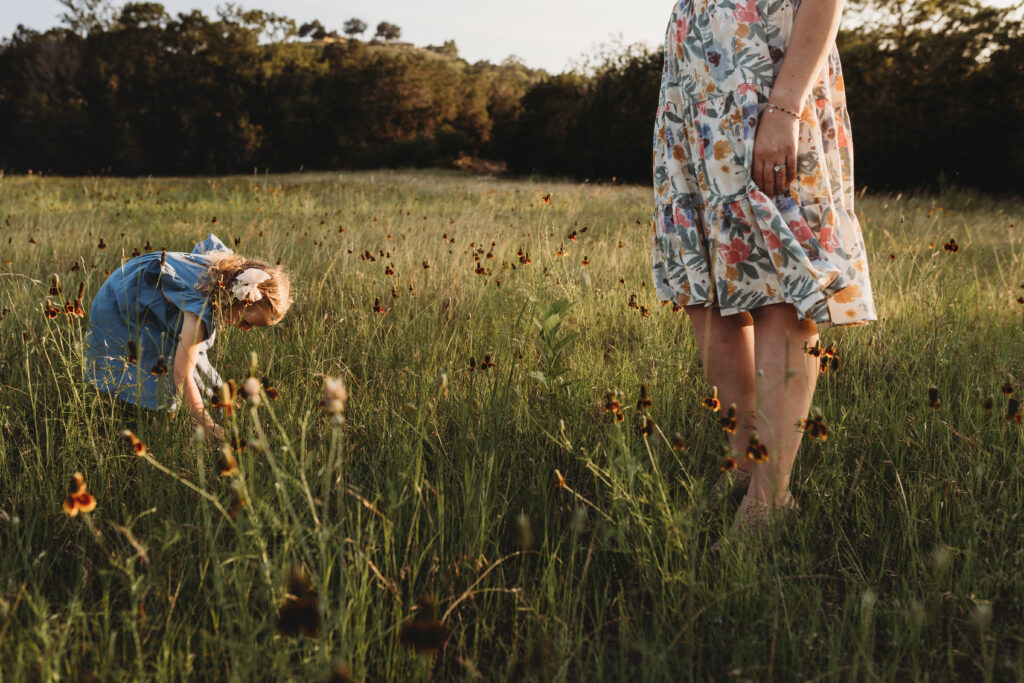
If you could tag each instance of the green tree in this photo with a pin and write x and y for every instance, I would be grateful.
(355, 27)
(388, 31)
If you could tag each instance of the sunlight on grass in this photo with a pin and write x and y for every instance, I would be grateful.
(472, 503)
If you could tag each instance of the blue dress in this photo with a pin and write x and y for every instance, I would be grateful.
(143, 302)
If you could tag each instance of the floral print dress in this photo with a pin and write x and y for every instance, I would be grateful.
(718, 240)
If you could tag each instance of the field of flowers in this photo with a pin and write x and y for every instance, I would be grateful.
(442, 470)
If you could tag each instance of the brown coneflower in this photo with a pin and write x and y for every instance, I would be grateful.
(300, 611)
(728, 464)
(240, 500)
(227, 464)
(1013, 410)
(645, 401)
(78, 499)
(268, 389)
(486, 363)
(815, 427)
(645, 426)
(677, 442)
(160, 368)
(951, 246)
(423, 632)
(756, 450)
(136, 443)
(50, 311)
(728, 420)
(1007, 388)
(55, 286)
(711, 402)
(933, 397)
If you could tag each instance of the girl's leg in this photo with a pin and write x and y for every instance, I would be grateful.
(783, 395)
(726, 345)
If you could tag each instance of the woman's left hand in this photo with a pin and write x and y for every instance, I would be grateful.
(775, 144)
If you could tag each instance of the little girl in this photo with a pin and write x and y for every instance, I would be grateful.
(157, 315)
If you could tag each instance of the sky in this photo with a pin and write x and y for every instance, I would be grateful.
(546, 34)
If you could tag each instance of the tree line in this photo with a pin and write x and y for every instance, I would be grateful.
(935, 92)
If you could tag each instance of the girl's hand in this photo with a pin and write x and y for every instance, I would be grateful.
(214, 431)
(775, 144)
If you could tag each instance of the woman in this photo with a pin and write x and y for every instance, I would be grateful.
(161, 309)
(754, 231)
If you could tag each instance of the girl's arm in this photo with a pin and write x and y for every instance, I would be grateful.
(192, 334)
(814, 30)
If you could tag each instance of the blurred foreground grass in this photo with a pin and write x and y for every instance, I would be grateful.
(441, 482)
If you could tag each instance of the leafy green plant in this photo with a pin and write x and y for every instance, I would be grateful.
(553, 345)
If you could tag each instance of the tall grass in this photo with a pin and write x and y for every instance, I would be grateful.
(441, 481)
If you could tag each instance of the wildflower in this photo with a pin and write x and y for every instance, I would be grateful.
(610, 404)
(1007, 387)
(561, 252)
(524, 256)
(586, 261)
(78, 499)
(547, 198)
(132, 357)
(226, 462)
(486, 362)
(645, 400)
(224, 397)
(813, 350)
(988, 402)
(240, 501)
(101, 245)
(646, 426)
(933, 397)
(269, 389)
(815, 428)
(160, 368)
(334, 396)
(728, 464)
(472, 363)
(389, 269)
(238, 444)
(756, 450)
(49, 311)
(951, 246)
(55, 286)
(677, 442)
(423, 632)
(136, 443)
(728, 421)
(711, 402)
(426, 265)
(1013, 410)
(572, 236)
(300, 612)
(632, 302)
(644, 312)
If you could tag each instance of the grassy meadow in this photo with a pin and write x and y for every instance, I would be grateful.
(443, 482)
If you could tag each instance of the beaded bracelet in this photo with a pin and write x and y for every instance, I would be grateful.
(773, 107)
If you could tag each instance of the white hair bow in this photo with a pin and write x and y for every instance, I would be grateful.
(246, 287)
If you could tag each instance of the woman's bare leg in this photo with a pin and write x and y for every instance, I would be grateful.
(784, 395)
(726, 345)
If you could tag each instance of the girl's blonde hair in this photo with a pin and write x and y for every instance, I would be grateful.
(227, 266)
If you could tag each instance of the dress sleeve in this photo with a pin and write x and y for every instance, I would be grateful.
(211, 243)
(176, 279)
